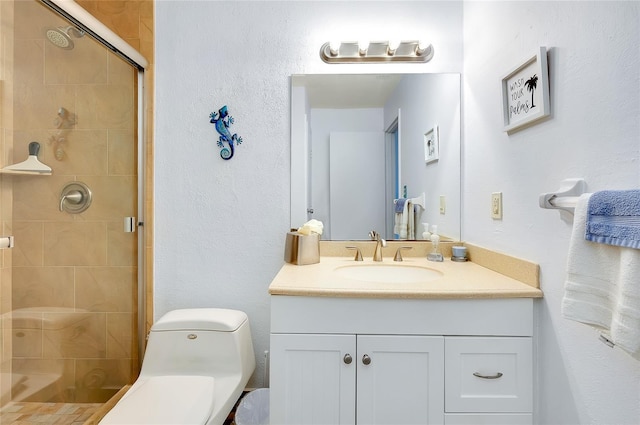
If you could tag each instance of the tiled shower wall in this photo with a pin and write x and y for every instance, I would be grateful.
(6, 119)
(73, 275)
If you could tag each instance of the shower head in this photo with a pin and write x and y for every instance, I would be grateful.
(61, 36)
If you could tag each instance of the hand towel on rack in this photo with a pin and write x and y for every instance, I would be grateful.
(602, 288)
(614, 218)
(400, 228)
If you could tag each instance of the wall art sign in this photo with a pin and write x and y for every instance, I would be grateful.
(525, 93)
(431, 145)
(222, 120)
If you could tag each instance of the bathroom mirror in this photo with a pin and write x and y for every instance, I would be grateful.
(361, 141)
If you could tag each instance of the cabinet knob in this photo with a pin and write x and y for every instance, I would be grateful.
(366, 359)
(480, 375)
(347, 358)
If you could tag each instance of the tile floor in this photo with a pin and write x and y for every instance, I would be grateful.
(24, 413)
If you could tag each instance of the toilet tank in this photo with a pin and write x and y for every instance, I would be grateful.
(201, 341)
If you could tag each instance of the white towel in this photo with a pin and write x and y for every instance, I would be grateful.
(603, 286)
(401, 227)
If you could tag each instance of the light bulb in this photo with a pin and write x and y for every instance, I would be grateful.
(421, 47)
(363, 45)
(392, 46)
(334, 47)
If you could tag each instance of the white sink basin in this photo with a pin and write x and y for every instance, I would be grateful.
(387, 273)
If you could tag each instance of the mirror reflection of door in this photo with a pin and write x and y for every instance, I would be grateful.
(356, 179)
(392, 175)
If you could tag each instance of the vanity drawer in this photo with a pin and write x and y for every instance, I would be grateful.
(488, 374)
(488, 419)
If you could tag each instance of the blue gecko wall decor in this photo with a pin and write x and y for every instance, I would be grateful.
(222, 120)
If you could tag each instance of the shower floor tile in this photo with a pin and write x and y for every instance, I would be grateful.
(25, 413)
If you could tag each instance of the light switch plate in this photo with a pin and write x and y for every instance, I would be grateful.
(443, 204)
(496, 205)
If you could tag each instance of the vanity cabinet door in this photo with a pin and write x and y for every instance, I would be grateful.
(313, 379)
(400, 379)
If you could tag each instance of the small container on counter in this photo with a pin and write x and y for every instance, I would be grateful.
(302, 249)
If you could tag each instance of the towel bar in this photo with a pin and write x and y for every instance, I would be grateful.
(419, 200)
(566, 197)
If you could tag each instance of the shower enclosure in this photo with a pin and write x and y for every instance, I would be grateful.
(71, 286)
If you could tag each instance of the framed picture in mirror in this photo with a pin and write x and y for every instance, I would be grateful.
(431, 145)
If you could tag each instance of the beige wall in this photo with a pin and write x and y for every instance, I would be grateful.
(6, 126)
(73, 281)
(133, 21)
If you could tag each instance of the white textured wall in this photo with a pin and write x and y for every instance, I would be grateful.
(595, 134)
(220, 225)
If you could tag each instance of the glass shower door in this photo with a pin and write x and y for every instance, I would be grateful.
(69, 286)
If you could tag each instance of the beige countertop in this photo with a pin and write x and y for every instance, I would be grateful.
(458, 280)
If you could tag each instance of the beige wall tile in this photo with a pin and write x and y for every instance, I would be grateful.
(121, 331)
(36, 106)
(122, 153)
(86, 63)
(38, 198)
(97, 374)
(85, 152)
(122, 248)
(120, 15)
(121, 72)
(28, 249)
(105, 107)
(29, 61)
(75, 244)
(42, 287)
(74, 335)
(105, 289)
(114, 197)
(27, 342)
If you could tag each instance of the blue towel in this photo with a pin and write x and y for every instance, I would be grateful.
(613, 218)
(400, 205)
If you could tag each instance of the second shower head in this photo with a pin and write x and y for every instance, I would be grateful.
(61, 36)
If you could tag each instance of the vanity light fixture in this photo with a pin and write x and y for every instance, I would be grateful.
(376, 51)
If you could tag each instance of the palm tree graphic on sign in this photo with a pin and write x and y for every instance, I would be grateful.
(531, 84)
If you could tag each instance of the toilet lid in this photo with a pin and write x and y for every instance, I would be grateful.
(165, 400)
(206, 319)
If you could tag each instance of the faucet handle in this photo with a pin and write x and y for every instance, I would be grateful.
(398, 256)
(358, 253)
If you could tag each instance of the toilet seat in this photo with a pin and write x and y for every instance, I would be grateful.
(165, 400)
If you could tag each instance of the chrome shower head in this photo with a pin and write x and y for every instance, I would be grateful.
(61, 36)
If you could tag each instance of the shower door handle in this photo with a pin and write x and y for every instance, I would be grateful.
(130, 224)
(6, 242)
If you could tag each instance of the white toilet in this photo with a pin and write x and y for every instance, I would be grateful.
(196, 365)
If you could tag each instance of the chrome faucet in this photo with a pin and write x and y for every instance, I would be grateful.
(380, 243)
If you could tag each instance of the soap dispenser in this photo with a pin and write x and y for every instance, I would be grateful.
(426, 234)
(435, 254)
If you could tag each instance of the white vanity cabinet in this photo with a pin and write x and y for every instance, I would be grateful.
(344, 379)
(400, 361)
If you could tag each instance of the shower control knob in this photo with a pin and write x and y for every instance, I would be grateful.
(347, 359)
(366, 360)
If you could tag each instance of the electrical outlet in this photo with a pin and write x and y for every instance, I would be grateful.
(496, 205)
(443, 204)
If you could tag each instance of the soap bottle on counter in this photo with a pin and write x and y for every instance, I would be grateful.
(426, 234)
(435, 254)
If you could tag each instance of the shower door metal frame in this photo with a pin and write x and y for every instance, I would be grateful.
(96, 29)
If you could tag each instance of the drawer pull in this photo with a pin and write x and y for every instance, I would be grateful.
(366, 360)
(480, 375)
(347, 359)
